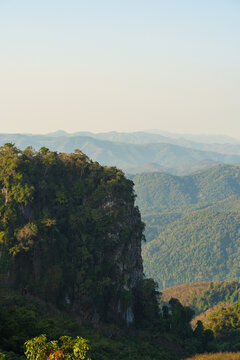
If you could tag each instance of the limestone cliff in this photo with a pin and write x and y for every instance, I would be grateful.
(70, 232)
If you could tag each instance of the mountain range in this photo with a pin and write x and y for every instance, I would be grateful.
(138, 152)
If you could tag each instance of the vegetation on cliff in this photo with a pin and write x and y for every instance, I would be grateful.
(69, 232)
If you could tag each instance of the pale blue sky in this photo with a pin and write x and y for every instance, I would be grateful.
(120, 65)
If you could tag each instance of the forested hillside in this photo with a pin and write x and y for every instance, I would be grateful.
(204, 245)
(202, 296)
(192, 225)
(165, 191)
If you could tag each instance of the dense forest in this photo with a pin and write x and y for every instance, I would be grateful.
(192, 225)
(63, 221)
(71, 267)
(201, 246)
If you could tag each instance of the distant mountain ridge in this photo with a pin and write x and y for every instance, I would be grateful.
(217, 143)
(149, 135)
(140, 151)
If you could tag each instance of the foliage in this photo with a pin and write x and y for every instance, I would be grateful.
(204, 295)
(180, 318)
(10, 356)
(23, 317)
(225, 322)
(63, 220)
(162, 191)
(216, 304)
(203, 246)
(217, 293)
(192, 225)
(146, 307)
(66, 348)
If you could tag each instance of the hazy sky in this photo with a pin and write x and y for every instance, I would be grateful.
(120, 65)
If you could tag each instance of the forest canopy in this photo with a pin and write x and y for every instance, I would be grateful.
(63, 220)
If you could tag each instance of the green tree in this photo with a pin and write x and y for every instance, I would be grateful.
(180, 318)
(65, 348)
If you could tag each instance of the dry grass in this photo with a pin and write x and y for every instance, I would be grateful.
(217, 356)
(186, 292)
(203, 317)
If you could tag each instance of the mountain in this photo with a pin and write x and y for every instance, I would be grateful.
(203, 296)
(153, 136)
(182, 170)
(201, 189)
(216, 143)
(127, 156)
(186, 293)
(201, 246)
(192, 225)
(202, 138)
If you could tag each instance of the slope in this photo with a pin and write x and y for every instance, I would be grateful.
(202, 246)
(192, 225)
(204, 295)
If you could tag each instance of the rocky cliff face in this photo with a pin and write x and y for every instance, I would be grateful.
(71, 232)
(127, 258)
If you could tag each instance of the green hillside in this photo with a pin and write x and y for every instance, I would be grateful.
(192, 225)
(165, 191)
(201, 246)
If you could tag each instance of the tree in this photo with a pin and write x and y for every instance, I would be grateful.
(180, 318)
(65, 348)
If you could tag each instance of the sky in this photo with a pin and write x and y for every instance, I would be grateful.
(126, 65)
